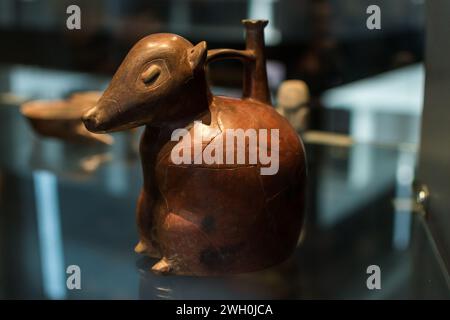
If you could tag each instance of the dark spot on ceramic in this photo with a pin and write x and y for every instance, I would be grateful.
(208, 224)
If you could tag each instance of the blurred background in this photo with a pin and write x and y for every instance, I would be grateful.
(64, 203)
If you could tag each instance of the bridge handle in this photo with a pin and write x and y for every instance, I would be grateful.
(222, 54)
(253, 58)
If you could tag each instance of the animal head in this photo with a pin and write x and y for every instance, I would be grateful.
(149, 83)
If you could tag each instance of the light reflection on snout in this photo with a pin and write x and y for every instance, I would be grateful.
(100, 117)
(90, 119)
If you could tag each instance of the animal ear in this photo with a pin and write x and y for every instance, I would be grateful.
(197, 56)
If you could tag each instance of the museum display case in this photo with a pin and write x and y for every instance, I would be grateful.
(360, 198)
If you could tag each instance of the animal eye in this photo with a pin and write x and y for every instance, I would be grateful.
(151, 74)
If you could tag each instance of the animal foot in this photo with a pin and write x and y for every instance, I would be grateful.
(163, 266)
(143, 248)
(140, 247)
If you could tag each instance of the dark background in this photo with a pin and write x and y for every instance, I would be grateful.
(324, 42)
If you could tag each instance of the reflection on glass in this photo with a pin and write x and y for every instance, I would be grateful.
(49, 230)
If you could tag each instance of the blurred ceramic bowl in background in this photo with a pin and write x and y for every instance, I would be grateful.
(62, 118)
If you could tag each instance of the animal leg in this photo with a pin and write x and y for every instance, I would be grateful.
(146, 244)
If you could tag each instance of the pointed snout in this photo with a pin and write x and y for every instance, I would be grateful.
(90, 120)
(105, 116)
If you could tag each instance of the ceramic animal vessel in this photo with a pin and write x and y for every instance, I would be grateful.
(202, 217)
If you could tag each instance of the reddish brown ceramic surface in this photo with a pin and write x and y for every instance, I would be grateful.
(204, 219)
